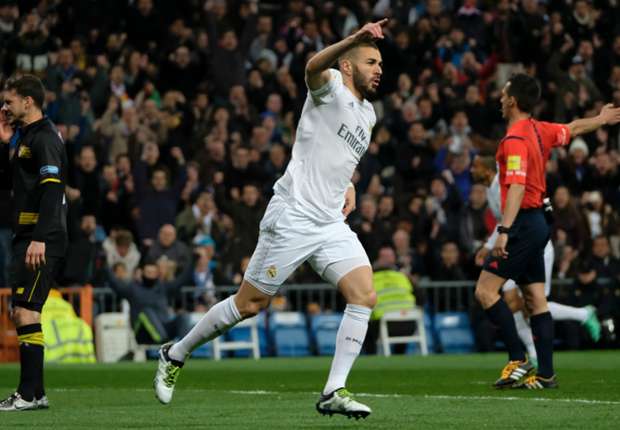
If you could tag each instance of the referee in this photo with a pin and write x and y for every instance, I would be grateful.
(518, 253)
(33, 151)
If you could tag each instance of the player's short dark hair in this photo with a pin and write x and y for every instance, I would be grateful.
(360, 44)
(28, 86)
(365, 44)
(526, 91)
(488, 161)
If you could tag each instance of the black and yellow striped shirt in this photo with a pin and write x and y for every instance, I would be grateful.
(39, 169)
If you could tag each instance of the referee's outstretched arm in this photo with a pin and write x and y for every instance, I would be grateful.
(609, 115)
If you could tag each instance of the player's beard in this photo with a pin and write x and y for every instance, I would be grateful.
(13, 119)
(361, 85)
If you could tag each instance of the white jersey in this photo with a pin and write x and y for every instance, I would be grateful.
(493, 200)
(332, 136)
(494, 197)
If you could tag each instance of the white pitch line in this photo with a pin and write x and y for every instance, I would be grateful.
(372, 395)
(532, 399)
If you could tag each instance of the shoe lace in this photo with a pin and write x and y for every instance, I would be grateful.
(509, 368)
(9, 400)
(345, 395)
(172, 373)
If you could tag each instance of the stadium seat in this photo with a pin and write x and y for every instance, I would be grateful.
(414, 348)
(454, 332)
(323, 329)
(240, 334)
(289, 333)
(419, 336)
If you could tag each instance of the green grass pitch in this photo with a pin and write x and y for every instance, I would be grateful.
(411, 392)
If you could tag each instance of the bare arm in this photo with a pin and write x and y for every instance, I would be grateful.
(609, 115)
(317, 74)
(513, 203)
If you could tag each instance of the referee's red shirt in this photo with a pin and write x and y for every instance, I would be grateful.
(522, 157)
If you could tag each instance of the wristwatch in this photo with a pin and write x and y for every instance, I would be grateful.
(503, 230)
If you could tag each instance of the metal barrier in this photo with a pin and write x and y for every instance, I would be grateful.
(436, 295)
(80, 297)
(89, 301)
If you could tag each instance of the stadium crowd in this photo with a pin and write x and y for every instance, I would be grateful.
(179, 117)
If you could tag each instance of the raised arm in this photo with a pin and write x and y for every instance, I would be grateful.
(317, 73)
(120, 287)
(6, 134)
(609, 115)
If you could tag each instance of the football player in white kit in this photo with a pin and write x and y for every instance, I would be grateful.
(484, 171)
(305, 219)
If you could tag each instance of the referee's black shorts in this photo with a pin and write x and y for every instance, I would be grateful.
(30, 288)
(528, 237)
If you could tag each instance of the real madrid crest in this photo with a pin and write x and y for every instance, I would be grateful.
(272, 272)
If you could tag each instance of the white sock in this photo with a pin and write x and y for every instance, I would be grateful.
(562, 312)
(214, 323)
(525, 334)
(349, 341)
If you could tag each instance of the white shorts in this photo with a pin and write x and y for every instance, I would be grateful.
(549, 257)
(287, 238)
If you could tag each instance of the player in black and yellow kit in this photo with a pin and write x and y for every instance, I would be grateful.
(33, 161)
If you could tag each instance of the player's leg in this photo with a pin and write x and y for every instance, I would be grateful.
(218, 320)
(342, 261)
(272, 262)
(585, 315)
(246, 303)
(487, 293)
(515, 302)
(30, 290)
(542, 329)
(356, 287)
(28, 326)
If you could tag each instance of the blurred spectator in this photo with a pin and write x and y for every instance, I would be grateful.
(404, 252)
(575, 170)
(198, 218)
(605, 265)
(144, 26)
(86, 180)
(366, 226)
(156, 204)
(120, 248)
(229, 51)
(151, 319)
(414, 158)
(116, 201)
(83, 261)
(175, 253)
(569, 226)
(448, 267)
(246, 213)
(476, 220)
(32, 45)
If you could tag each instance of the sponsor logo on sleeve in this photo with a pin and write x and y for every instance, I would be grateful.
(49, 170)
(514, 162)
